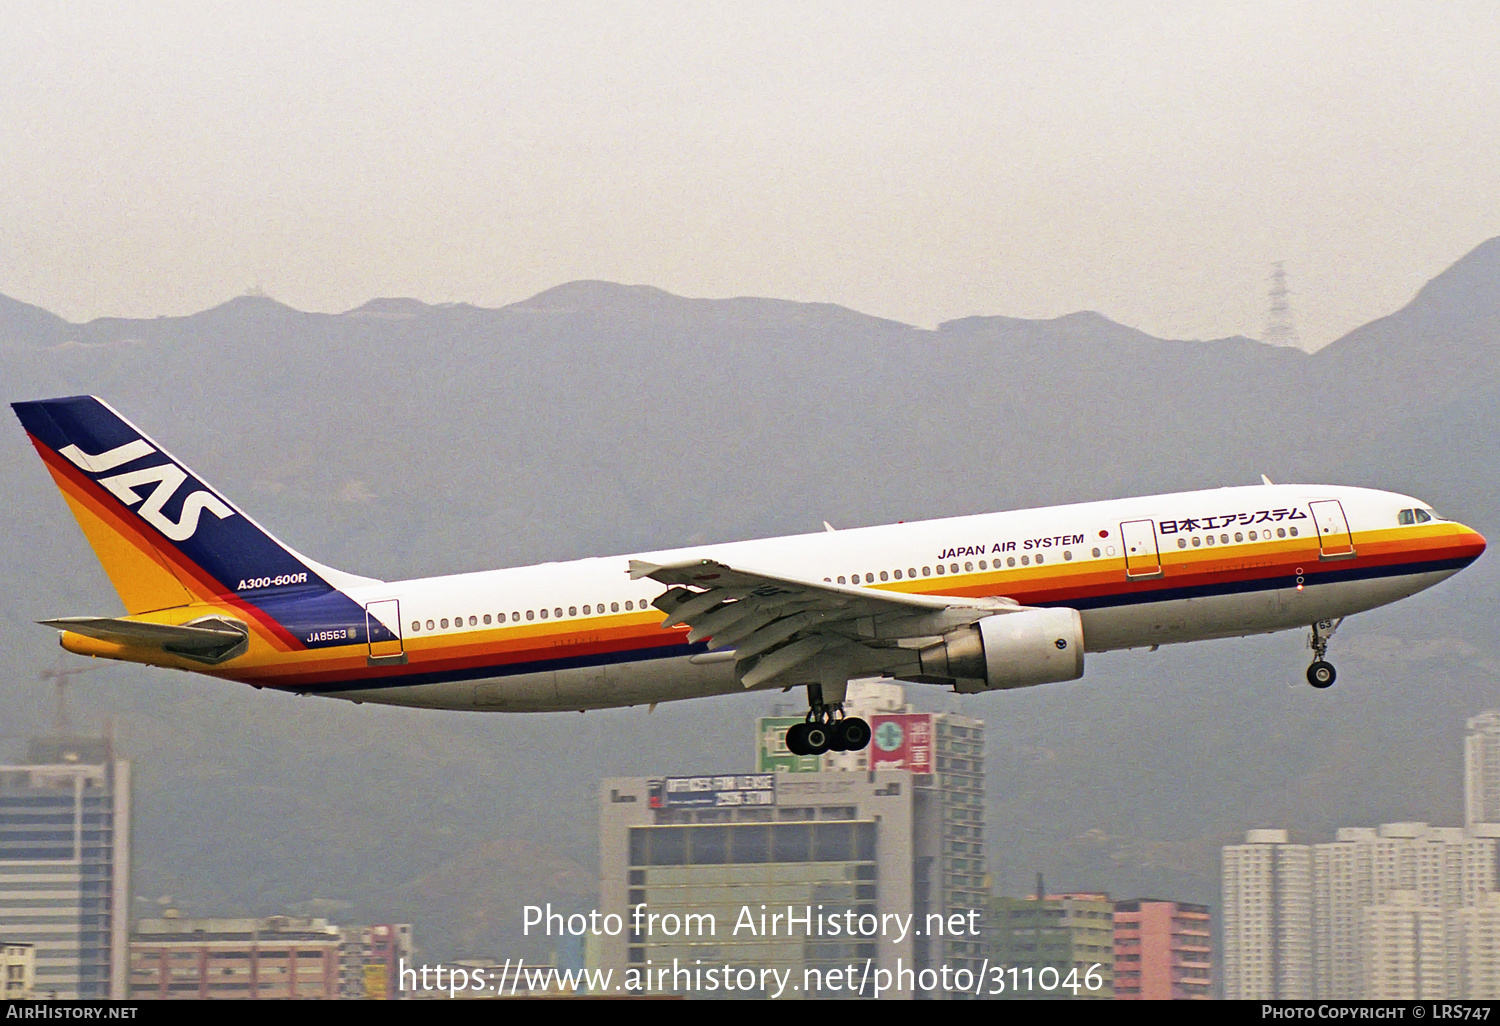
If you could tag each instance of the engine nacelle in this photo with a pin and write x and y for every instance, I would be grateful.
(1010, 650)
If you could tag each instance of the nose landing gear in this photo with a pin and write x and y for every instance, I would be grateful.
(826, 729)
(1321, 673)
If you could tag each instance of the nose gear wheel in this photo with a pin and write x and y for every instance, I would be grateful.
(1321, 673)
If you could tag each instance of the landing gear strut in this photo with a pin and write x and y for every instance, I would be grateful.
(1321, 673)
(826, 728)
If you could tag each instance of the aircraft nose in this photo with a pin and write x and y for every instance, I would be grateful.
(1473, 544)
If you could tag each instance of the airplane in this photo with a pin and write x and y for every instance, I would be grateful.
(975, 603)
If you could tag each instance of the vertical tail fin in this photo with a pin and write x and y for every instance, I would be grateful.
(165, 537)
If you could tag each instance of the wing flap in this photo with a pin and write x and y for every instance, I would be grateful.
(711, 574)
(778, 624)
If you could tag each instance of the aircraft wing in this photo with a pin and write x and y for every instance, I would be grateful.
(778, 625)
(210, 639)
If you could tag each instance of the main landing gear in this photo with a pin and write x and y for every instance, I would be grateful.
(826, 729)
(1321, 673)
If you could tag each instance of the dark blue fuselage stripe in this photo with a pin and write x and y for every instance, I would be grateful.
(1285, 581)
(1324, 576)
(636, 655)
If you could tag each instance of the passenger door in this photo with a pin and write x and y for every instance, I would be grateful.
(1334, 540)
(383, 629)
(1142, 557)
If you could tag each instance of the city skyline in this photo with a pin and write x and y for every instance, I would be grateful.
(484, 460)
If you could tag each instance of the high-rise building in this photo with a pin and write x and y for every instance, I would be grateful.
(944, 752)
(1432, 868)
(951, 819)
(1482, 774)
(1059, 945)
(709, 860)
(895, 830)
(1163, 951)
(1405, 910)
(1267, 909)
(1404, 948)
(1477, 930)
(65, 865)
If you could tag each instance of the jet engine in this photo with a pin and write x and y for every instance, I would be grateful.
(1009, 650)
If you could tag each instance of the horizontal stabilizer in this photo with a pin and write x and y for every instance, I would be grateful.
(211, 639)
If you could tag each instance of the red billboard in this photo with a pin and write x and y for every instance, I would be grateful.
(901, 741)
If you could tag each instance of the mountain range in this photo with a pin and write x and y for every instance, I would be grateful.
(403, 439)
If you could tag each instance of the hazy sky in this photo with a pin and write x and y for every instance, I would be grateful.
(917, 161)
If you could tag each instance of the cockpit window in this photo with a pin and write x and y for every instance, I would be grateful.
(1406, 517)
(1423, 516)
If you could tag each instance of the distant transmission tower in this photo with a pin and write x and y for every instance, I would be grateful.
(1280, 331)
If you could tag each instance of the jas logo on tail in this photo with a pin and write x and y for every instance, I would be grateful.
(168, 477)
